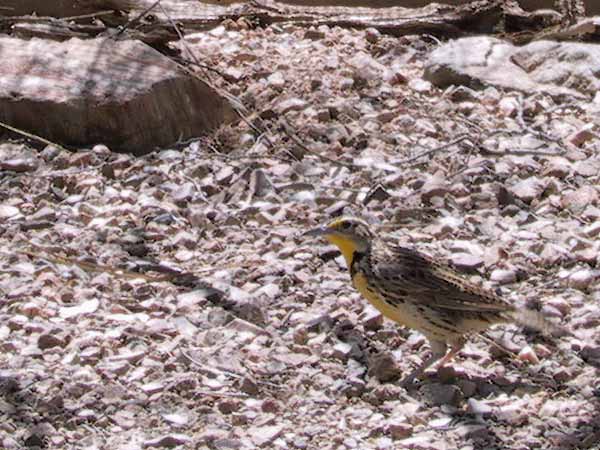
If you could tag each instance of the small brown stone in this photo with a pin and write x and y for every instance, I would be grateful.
(48, 340)
(384, 367)
(443, 394)
(228, 405)
(372, 319)
(270, 406)
(249, 386)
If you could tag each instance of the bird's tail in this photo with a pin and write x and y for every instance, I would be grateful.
(537, 321)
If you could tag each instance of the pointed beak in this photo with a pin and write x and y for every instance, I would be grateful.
(320, 231)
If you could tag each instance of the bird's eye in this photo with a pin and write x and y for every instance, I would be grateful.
(345, 225)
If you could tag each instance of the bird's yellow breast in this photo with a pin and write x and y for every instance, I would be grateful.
(401, 314)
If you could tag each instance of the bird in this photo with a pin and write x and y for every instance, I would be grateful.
(416, 291)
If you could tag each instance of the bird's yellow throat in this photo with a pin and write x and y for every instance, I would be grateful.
(346, 246)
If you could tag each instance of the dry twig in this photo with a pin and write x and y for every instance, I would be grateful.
(432, 151)
(287, 129)
(32, 136)
(137, 18)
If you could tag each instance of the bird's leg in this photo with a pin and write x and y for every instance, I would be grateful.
(438, 350)
(454, 349)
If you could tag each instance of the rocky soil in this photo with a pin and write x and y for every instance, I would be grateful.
(270, 347)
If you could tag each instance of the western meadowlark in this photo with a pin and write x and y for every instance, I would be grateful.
(414, 290)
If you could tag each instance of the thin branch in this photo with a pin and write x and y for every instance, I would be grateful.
(521, 121)
(552, 110)
(432, 151)
(32, 136)
(222, 394)
(136, 19)
(89, 16)
(49, 254)
(498, 346)
(89, 266)
(287, 129)
(195, 62)
(486, 151)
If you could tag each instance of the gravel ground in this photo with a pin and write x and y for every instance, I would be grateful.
(269, 346)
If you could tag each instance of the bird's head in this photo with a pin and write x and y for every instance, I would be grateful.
(349, 234)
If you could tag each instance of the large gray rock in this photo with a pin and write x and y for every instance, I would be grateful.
(120, 93)
(555, 68)
(55, 8)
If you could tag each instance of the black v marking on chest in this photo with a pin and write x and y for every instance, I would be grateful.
(356, 258)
